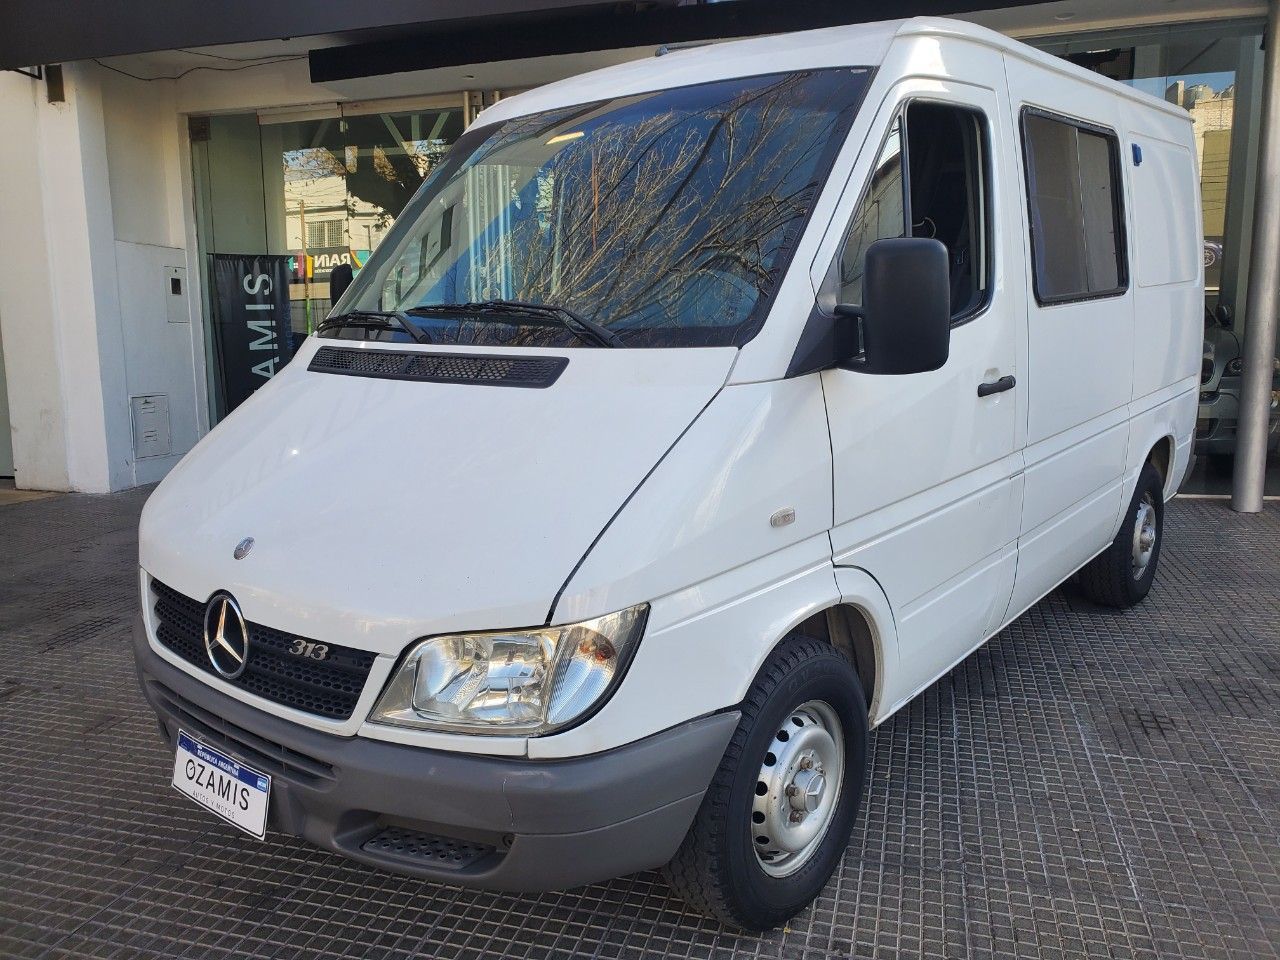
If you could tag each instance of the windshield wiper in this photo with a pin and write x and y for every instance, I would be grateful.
(582, 327)
(374, 320)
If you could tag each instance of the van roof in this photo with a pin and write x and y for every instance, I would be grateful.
(857, 45)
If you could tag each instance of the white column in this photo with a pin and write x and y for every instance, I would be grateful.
(59, 312)
(33, 372)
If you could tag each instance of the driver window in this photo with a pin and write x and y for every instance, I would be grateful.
(940, 151)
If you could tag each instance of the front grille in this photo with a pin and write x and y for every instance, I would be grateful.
(328, 688)
(493, 369)
(415, 848)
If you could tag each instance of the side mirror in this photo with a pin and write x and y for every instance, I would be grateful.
(906, 311)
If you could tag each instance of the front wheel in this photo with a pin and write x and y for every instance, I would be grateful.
(777, 816)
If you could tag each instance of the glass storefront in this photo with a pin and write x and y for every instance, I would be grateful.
(343, 182)
(320, 187)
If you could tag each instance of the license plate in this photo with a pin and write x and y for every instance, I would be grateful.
(222, 785)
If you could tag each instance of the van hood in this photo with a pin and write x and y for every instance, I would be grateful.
(385, 510)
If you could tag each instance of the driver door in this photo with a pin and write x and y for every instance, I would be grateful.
(927, 472)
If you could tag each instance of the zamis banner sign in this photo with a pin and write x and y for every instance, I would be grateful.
(251, 321)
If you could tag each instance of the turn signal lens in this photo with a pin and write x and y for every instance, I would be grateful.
(521, 682)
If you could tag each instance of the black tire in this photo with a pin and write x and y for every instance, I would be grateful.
(716, 870)
(1110, 578)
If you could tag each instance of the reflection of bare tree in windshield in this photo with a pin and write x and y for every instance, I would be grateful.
(683, 231)
(666, 217)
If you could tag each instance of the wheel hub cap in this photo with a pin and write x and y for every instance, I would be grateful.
(805, 791)
(1144, 536)
(797, 789)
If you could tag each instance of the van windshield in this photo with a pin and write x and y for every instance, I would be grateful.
(660, 219)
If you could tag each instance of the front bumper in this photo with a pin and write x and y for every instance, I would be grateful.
(492, 822)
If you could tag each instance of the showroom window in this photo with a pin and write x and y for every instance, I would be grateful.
(294, 193)
(1074, 198)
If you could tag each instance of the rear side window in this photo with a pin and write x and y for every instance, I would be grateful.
(1075, 199)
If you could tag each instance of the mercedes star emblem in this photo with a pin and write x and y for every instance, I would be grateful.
(242, 548)
(226, 638)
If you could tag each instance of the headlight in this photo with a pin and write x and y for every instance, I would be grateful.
(517, 682)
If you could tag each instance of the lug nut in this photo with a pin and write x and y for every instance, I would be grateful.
(806, 763)
(796, 816)
(791, 790)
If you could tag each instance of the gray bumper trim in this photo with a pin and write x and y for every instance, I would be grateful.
(552, 824)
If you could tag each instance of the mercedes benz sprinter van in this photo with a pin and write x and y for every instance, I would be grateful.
(695, 415)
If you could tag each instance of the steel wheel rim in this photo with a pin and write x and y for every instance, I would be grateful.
(798, 788)
(1144, 535)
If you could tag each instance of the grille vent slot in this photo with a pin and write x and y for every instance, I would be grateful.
(493, 369)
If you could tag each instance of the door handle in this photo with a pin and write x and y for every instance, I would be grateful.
(996, 386)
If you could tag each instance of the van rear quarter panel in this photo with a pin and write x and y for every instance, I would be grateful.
(1166, 236)
(1166, 240)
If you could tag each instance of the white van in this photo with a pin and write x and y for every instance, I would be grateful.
(695, 415)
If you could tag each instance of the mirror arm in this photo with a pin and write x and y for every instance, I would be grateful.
(824, 344)
(855, 316)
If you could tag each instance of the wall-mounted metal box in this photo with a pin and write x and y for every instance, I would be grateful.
(151, 431)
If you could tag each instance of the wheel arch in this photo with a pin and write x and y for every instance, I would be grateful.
(849, 629)
(860, 625)
(1162, 456)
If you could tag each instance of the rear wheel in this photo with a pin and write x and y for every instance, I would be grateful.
(777, 816)
(1122, 574)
